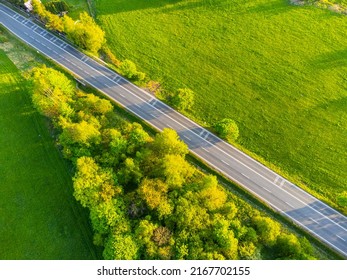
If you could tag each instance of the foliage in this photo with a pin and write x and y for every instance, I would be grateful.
(52, 92)
(56, 6)
(183, 99)
(227, 129)
(87, 34)
(84, 32)
(129, 70)
(342, 199)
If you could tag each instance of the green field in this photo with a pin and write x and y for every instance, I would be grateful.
(279, 71)
(39, 217)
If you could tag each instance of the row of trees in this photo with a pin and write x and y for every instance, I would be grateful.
(145, 200)
(84, 32)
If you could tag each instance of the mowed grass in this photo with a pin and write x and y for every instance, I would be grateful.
(39, 217)
(279, 70)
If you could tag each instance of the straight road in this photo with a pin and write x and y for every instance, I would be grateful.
(311, 214)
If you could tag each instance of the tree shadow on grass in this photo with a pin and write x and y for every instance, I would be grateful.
(330, 60)
(274, 7)
(122, 6)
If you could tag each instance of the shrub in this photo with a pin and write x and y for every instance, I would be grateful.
(227, 129)
(128, 69)
(183, 99)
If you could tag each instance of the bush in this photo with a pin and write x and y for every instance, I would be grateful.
(128, 69)
(183, 99)
(57, 7)
(227, 129)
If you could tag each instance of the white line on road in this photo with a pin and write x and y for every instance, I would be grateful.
(226, 163)
(267, 190)
(313, 220)
(187, 137)
(154, 116)
(205, 149)
(121, 95)
(289, 204)
(244, 175)
(340, 237)
(276, 179)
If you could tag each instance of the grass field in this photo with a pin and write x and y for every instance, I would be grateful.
(279, 70)
(39, 217)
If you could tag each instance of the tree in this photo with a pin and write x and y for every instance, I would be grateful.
(52, 92)
(183, 99)
(128, 68)
(130, 173)
(227, 129)
(120, 247)
(189, 215)
(175, 170)
(137, 137)
(80, 133)
(86, 33)
(93, 185)
(168, 143)
(54, 22)
(212, 196)
(224, 237)
(95, 105)
(154, 193)
(288, 246)
(267, 230)
(342, 199)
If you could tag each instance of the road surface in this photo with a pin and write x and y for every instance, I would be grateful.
(311, 214)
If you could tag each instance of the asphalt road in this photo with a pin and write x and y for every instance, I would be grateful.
(314, 216)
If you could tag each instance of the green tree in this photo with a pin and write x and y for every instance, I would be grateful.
(52, 92)
(227, 129)
(54, 22)
(268, 230)
(154, 193)
(183, 99)
(342, 199)
(288, 246)
(212, 196)
(129, 173)
(175, 170)
(224, 237)
(94, 105)
(168, 143)
(86, 33)
(120, 247)
(128, 68)
(81, 133)
(93, 185)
